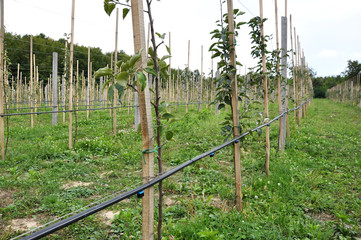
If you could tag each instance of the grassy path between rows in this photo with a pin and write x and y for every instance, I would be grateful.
(314, 190)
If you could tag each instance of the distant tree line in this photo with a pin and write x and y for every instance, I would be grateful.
(17, 49)
(321, 84)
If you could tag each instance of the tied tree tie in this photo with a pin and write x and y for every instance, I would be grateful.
(155, 150)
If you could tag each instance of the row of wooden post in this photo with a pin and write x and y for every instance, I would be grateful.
(347, 92)
(300, 85)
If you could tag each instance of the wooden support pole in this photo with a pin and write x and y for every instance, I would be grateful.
(297, 78)
(55, 88)
(293, 71)
(100, 93)
(18, 84)
(21, 90)
(351, 97)
(31, 83)
(88, 88)
(201, 87)
(170, 77)
(283, 83)
(187, 77)
(63, 95)
(265, 93)
(211, 86)
(235, 111)
(280, 136)
(64, 80)
(71, 77)
(146, 124)
(77, 85)
(359, 88)
(83, 89)
(2, 125)
(115, 72)
(177, 91)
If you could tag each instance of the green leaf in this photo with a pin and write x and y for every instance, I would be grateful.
(125, 66)
(150, 71)
(107, 84)
(120, 89)
(105, 71)
(142, 80)
(108, 7)
(123, 77)
(169, 135)
(217, 54)
(168, 49)
(151, 89)
(150, 51)
(165, 57)
(167, 116)
(135, 58)
(162, 36)
(125, 12)
(110, 93)
(220, 106)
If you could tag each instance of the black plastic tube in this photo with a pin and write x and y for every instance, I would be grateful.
(66, 222)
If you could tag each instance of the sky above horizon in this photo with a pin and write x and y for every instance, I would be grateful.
(329, 30)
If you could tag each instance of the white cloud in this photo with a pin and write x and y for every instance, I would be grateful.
(327, 53)
(356, 55)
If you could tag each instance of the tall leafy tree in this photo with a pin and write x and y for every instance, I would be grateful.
(353, 68)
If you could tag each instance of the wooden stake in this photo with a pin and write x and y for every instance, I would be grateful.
(212, 84)
(71, 77)
(55, 88)
(115, 72)
(201, 87)
(170, 78)
(284, 88)
(64, 80)
(265, 93)
(31, 83)
(293, 70)
(235, 111)
(187, 77)
(280, 136)
(63, 92)
(82, 88)
(18, 84)
(146, 124)
(177, 89)
(296, 77)
(77, 84)
(2, 125)
(88, 88)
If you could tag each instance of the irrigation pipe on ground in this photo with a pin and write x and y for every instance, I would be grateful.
(63, 223)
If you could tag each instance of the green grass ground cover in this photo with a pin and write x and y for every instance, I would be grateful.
(314, 190)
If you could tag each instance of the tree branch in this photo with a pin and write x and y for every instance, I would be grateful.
(131, 86)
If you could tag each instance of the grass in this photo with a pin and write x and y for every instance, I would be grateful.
(314, 190)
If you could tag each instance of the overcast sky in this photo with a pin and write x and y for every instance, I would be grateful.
(329, 30)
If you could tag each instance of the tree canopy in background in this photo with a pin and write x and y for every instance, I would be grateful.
(321, 84)
(353, 68)
(18, 51)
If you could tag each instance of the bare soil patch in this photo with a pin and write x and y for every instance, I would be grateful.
(107, 216)
(23, 224)
(6, 198)
(323, 217)
(76, 184)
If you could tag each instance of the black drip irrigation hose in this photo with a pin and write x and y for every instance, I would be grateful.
(66, 222)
